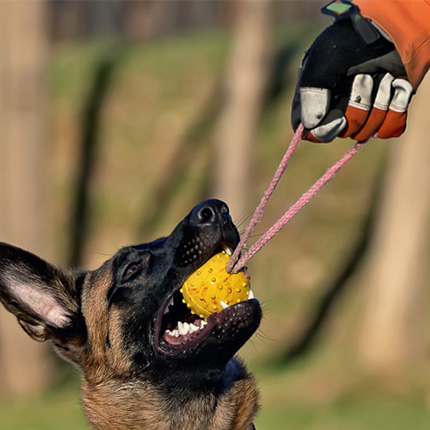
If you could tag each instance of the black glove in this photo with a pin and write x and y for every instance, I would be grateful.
(351, 83)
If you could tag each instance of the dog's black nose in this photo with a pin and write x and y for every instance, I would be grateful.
(209, 212)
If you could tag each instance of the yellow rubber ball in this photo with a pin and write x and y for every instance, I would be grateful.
(211, 284)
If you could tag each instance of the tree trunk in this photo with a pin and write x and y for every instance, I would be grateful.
(391, 336)
(245, 83)
(23, 62)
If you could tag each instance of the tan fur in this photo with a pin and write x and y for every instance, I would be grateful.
(118, 405)
(102, 363)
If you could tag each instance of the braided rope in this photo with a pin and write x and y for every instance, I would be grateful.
(235, 264)
(258, 213)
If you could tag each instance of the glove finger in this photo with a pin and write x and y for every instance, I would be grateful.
(332, 125)
(314, 104)
(379, 110)
(359, 104)
(395, 121)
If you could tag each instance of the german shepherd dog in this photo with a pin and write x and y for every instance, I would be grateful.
(115, 323)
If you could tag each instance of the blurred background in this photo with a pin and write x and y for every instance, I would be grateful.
(117, 117)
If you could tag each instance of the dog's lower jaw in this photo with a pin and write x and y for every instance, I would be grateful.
(133, 405)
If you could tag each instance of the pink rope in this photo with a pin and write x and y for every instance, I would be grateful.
(258, 213)
(235, 265)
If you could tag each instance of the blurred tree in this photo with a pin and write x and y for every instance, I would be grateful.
(91, 117)
(392, 332)
(245, 83)
(23, 66)
(143, 19)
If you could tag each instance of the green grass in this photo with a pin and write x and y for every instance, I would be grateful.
(321, 393)
(353, 414)
(58, 408)
(296, 398)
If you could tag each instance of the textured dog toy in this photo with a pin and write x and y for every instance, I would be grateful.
(211, 288)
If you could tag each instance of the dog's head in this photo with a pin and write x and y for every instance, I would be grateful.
(118, 320)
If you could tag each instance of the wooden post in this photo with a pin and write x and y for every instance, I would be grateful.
(245, 83)
(392, 333)
(23, 65)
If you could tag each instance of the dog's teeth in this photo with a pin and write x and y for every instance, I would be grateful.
(175, 333)
(228, 250)
(224, 305)
(166, 311)
(186, 327)
(202, 324)
(183, 328)
(250, 295)
(180, 328)
(193, 328)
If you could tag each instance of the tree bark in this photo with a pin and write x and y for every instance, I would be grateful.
(391, 335)
(245, 82)
(23, 66)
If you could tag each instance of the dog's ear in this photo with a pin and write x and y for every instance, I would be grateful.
(44, 298)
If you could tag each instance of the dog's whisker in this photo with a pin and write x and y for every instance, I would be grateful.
(242, 220)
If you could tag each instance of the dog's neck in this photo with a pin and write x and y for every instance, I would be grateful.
(137, 405)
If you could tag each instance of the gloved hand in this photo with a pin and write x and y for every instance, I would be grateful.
(351, 86)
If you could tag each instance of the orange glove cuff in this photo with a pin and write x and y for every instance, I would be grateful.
(407, 24)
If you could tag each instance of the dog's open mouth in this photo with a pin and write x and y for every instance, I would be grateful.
(179, 330)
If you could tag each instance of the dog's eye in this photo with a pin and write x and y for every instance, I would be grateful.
(131, 269)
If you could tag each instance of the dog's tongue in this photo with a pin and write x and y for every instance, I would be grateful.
(211, 288)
